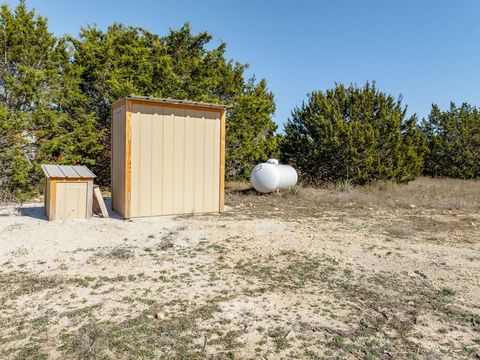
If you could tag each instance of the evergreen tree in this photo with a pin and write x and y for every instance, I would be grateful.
(453, 139)
(27, 70)
(360, 134)
(38, 95)
(125, 60)
(250, 131)
(14, 166)
(68, 133)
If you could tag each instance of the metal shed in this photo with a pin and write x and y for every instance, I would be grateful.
(68, 192)
(168, 157)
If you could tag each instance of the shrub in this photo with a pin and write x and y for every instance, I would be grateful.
(359, 134)
(453, 139)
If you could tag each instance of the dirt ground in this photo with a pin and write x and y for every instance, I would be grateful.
(382, 272)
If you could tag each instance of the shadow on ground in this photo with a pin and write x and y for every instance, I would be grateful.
(37, 211)
(33, 211)
(112, 213)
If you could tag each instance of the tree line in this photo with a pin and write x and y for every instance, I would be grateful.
(362, 134)
(56, 93)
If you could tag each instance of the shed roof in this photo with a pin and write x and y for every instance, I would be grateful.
(67, 171)
(172, 101)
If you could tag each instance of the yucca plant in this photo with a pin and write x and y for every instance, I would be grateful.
(295, 190)
(345, 185)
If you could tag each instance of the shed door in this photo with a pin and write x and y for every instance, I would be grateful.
(71, 200)
(175, 160)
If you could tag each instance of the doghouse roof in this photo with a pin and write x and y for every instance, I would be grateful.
(67, 171)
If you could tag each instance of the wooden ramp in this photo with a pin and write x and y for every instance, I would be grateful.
(98, 203)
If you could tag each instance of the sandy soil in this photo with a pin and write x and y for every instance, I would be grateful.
(324, 282)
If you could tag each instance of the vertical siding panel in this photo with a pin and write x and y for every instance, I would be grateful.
(113, 149)
(78, 201)
(216, 177)
(209, 161)
(82, 194)
(47, 197)
(116, 195)
(136, 162)
(179, 161)
(113, 156)
(82, 200)
(168, 159)
(64, 202)
(71, 205)
(157, 159)
(116, 154)
(199, 161)
(118, 159)
(59, 200)
(189, 164)
(145, 173)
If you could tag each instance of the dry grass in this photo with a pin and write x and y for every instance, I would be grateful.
(401, 209)
(7, 198)
(427, 193)
(448, 194)
(8, 203)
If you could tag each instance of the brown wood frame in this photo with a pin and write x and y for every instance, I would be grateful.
(222, 160)
(46, 197)
(128, 102)
(128, 160)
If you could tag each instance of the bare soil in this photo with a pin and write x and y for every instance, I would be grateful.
(380, 272)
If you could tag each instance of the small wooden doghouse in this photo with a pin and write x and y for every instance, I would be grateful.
(68, 192)
(168, 157)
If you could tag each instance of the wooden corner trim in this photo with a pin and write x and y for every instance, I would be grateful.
(52, 188)
(128, 159)
(118, 103)
(89, 209)
(222, 161)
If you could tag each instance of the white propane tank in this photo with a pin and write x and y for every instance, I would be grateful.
(270, 176)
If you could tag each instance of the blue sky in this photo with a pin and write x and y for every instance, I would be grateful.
(426, 50)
